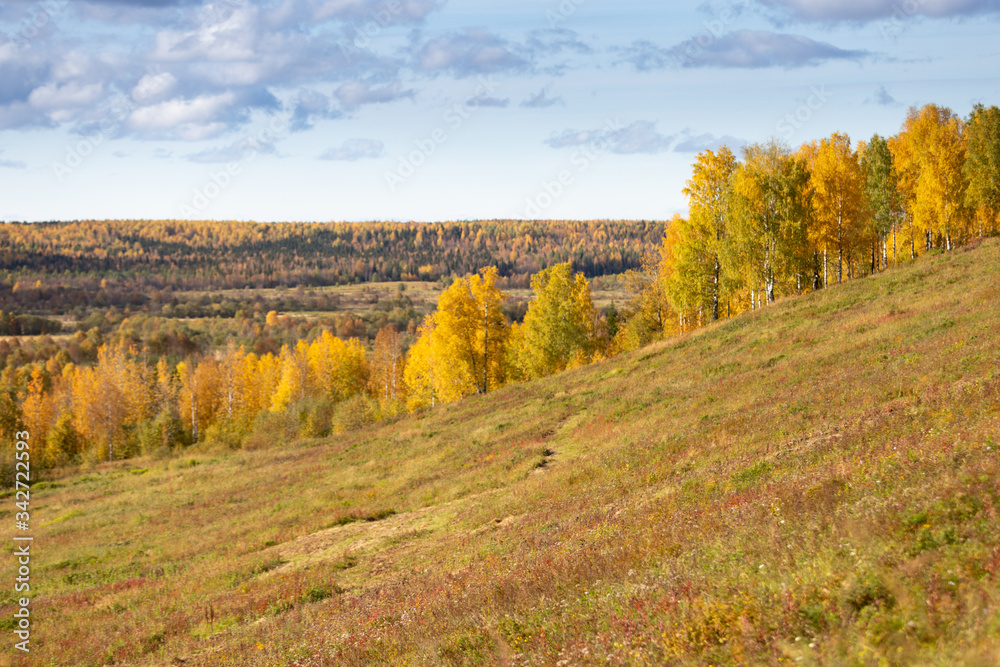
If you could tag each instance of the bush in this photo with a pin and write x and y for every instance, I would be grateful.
(316, 418)
(355, 414)
(223, 435)
(62, 443)
(272, 428)
(159, 436)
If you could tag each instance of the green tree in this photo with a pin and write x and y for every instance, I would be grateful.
(881, 192)
(982, 166)
(699, 263)
(560, 326)
(767, 244)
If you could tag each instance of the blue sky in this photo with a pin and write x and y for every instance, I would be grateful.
(446, 109)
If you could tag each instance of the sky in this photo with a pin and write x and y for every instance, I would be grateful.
(429, 110)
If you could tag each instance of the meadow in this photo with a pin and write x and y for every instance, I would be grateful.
(814, 482)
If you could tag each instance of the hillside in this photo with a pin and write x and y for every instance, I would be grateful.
(816, 481)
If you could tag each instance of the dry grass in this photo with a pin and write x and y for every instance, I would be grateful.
(815, 483)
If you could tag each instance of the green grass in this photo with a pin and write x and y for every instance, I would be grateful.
(812, 483)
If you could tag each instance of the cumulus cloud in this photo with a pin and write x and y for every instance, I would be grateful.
(309, 107)
(645, 56)
(468, 53)
(191, 119)
(639, 137)
(688, 142)
(862, 11)
(61, 98)
(242, 149)
(358, 93)
(43, 86)
(541, 99)
(381, 12)
(758, 49)
(355, 149)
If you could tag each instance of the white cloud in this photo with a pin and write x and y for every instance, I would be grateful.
(358, 93)
(474, 51)
(639, 137)
(494, 102)
(860, 11)
(200, 111)
(355, 149)
(154, 86)
(56, 97)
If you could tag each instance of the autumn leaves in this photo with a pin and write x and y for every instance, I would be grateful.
(779, 222)
(468, 347)
(124, 404)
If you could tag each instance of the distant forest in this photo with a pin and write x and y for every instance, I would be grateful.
(48, 262)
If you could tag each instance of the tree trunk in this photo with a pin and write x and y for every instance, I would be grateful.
(715, 291)
(826, 270)
(486, 347)
(194, 409)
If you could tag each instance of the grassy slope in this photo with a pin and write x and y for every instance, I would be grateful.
(818, 480)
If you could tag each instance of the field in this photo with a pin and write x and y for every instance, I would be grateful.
(815, 482)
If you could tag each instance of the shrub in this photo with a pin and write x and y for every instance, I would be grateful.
(62, 443)
(355, 414)
(316, 417)
(223, 435)
(162, 434)
(272, 428)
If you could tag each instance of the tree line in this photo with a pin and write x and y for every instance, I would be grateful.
(129, 402)
(57, 266)
(776, 222)
(781, 221)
